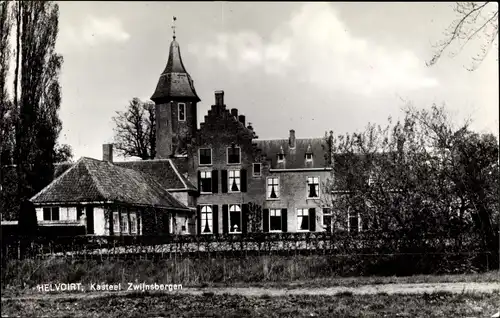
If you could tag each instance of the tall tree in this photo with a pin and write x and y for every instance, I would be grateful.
(5, 105)
(37, 95)
(135, 130)
(475, 20)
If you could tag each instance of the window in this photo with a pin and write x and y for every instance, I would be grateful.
(256, 169)
(205, 156)
(206, 219)
(309, 156)
(233, 155)
(124, 223)
(182, 112)
(302, 220)
(273, 188)
(281, 157)
(353, 222)
(234, 218)
(327, 219)
(371, 179)
(275, 220)
(185, 227)
(133, 223)
(234, 180)
(206, 181)
(116, 223)
(313, 187)
(51, 213)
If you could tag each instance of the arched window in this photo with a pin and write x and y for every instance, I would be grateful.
(234, 218)
(206, 219)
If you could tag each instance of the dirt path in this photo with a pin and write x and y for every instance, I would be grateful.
(257, 291)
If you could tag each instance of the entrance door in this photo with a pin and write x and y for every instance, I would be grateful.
(89, 212)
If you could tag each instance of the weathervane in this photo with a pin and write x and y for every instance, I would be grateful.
(173, 25)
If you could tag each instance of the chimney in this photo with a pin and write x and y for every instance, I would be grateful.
(107, 152)
(291, 139)
(241, 118)
(234, 112)
(219, 98)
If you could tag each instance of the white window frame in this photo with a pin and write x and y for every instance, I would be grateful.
(311, 157)
(179, 111)
(133, 226)
(171, 224)
(51, 213)
(186, 225)
(229, 184)
(278, 158)
(281, 220)
(330, 214)
(227, 156)
(371, 179)
(201, 182)
(209, 211)
(124, 226)
(318, 191)
(308, 219)
(116, 222)
(260, 169)
(231, 206)
(268, 193)
(199, 157)
(349, 222)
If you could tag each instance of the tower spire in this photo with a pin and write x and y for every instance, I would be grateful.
(173, 26)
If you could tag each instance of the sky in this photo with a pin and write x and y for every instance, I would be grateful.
(312, 67)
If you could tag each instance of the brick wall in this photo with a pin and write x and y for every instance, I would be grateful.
(169, 130)
(222, 129)
(293, 196)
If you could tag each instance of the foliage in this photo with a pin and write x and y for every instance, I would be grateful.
(255, 217)
(135, 131)
(475, 20)
(417, 176)
(29, 121)
(63, 153)
(231, 305)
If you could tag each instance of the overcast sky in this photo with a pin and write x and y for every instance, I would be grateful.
(312, 67)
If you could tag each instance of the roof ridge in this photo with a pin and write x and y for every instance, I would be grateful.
(51, 184)
(149, 178)
(95, 179)
(285, 139)
(145, 160)
(177, 172)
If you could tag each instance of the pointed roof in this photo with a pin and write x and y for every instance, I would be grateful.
(175, 83)
(91, 180)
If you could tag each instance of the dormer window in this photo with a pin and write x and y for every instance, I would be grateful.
(182, 111)
(309, 156)
(281, 157)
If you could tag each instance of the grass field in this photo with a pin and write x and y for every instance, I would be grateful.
(438, 304)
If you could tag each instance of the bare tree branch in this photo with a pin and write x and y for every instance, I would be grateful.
(466, 28)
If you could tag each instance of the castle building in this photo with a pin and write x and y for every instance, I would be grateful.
(217, 178)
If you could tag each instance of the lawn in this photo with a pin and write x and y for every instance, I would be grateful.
(209, 305)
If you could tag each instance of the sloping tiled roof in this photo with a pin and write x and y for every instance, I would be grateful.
(294, 158)
(175, 82)
(164, 171)
(91, 180)
(59, 168)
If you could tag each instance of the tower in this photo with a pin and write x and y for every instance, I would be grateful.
(175, 101)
